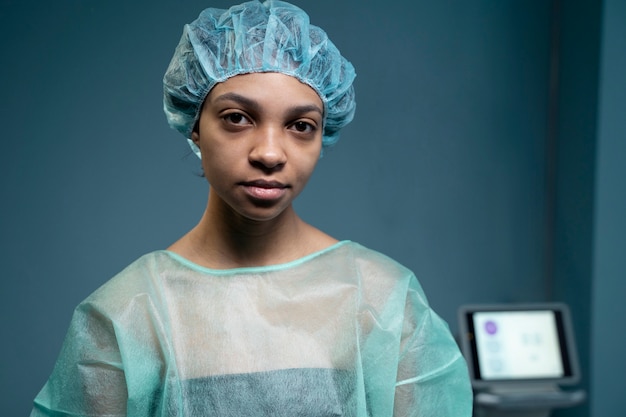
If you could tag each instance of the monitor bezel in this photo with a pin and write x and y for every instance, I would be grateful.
(566, 343)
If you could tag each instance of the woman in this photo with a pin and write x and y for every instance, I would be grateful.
(254, 312)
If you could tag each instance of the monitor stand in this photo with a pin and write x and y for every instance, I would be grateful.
(510, 413)
(524, 400)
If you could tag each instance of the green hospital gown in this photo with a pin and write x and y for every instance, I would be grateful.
(342, 332)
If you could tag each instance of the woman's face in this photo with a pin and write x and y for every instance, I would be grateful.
(260, 136)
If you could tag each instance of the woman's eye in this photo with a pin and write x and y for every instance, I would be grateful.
(303, 127)
(236, 118)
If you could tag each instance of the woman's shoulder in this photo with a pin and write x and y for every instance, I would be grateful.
(373, 272)
(139, 278)
(373, 260)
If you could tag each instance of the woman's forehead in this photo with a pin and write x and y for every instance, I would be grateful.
(266, 86)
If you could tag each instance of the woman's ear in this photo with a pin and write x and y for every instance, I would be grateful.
(195, 133)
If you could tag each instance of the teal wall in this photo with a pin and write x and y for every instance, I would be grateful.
(608, 344)
(451, 165)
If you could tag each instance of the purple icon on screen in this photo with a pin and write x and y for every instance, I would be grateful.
(490, 327)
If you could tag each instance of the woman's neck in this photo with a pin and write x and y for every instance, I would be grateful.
(225, 240)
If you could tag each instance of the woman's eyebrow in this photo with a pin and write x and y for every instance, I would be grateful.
(237, 98)
(305, 108)
(256, 106)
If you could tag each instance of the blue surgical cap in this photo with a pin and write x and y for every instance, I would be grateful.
(273, 36)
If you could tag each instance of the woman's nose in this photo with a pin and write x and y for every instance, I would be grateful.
(268, 150)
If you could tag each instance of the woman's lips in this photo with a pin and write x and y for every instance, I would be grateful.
(265, 190)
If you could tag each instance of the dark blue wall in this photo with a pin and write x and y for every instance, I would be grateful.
(444, 167)
(575, 165)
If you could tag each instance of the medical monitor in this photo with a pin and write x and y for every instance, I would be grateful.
(518, 344)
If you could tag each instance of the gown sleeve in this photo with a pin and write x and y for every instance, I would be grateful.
(432, 377)
(88, 378)
(115, 356)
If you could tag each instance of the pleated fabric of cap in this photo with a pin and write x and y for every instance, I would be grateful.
(253, 37)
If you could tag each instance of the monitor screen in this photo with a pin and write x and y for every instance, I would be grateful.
(518, 343)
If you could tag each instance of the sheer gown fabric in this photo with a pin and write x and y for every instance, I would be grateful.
(343, 332)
